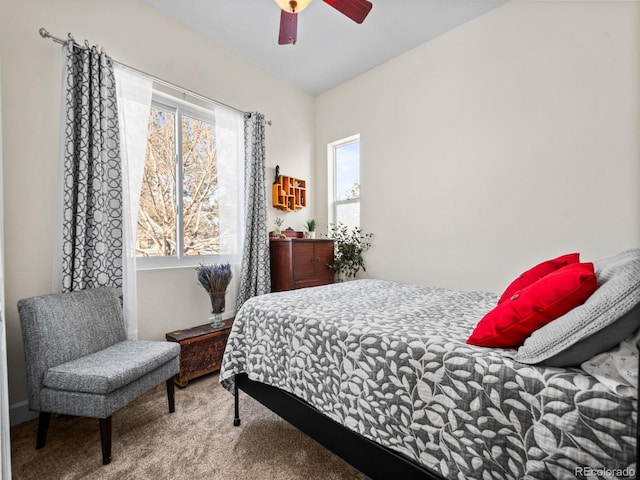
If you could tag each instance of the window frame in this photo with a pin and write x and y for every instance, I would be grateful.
(203, 113)
(332, 175)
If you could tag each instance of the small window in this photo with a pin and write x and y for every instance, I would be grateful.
(344, 193)
(190, 203)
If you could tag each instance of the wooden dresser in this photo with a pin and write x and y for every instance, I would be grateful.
(201, 349)
(300, 262)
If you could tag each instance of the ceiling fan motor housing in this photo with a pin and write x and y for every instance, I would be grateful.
(293, 6)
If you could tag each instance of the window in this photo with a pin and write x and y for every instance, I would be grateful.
(191, 198)
(344, 193)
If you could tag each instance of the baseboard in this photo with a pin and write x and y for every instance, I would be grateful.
(20, 413)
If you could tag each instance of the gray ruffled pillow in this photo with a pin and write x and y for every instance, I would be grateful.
(603, 321)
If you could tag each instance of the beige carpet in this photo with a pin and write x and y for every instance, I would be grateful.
(198, 441)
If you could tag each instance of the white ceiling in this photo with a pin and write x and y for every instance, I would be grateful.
(331, 48)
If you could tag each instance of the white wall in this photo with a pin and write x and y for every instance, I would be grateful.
(5, 450)
(135, 34)
(503, 142)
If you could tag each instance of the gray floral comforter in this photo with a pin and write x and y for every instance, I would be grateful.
(389, 361)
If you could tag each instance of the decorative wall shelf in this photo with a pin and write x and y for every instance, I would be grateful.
(289, 194)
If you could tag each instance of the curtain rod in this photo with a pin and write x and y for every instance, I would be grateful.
(45, 34)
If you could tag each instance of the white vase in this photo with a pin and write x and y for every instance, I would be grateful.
(311, 234)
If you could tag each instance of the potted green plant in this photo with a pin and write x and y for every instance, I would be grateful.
(310, 227)
(349, 246)
(278, 230)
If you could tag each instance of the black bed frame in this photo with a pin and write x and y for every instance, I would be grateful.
(370, 458)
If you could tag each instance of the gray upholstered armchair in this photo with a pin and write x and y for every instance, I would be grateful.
(80, 363)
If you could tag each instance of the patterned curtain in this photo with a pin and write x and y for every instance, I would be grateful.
(255, 274)
(92, 180)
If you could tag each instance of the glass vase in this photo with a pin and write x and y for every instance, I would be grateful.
(217, 308)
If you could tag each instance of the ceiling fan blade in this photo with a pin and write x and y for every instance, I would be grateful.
(356, 10)
(288, 28)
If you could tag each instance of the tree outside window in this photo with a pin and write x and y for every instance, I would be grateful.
(183, 186)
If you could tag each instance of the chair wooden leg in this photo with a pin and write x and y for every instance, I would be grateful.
(171, 394)
(105, 439)
(43, 426)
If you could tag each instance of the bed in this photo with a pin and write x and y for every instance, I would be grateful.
(381, 373)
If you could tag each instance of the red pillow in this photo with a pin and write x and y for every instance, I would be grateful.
(536, 273)
(512, 321)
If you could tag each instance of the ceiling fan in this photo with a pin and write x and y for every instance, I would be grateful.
(356, 10)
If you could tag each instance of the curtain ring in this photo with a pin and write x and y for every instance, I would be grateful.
(86, 43)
